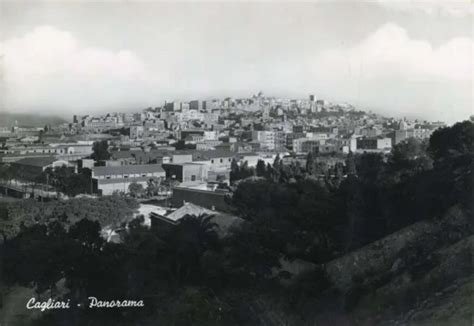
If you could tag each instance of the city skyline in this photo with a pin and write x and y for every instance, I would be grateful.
(400, 59)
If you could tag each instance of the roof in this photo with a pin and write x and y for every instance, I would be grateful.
(25, 155)
(127, 169)
(182, 164)
(37, 161)
(248, 154)
(121, 154)
(224, 221)
(122, 180)
(207, 155)
(188, 209)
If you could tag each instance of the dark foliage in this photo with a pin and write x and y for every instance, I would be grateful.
(100, 150)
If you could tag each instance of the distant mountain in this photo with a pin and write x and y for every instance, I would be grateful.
(8, 119)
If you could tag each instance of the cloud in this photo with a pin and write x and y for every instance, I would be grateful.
(457, 8)
(389, 66)
(391, 52)
(49, 69)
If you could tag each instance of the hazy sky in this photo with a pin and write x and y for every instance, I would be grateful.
(412, 58)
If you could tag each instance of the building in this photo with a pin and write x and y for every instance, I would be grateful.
(137, 132)
(107, 179)
(319, 136)
(186, 172)
(253, 158)
(235, 147)
(346, 145)
(195, 105)
(310, 146)
(269, 140)
(187, 133)
(370, 132)
(207, 145)
(210, 135)
(216, 160)
(64, 151)
(224, 222)
(418, 133)
(172, 106)
(297, 144)
(208, 198)
(375, 143)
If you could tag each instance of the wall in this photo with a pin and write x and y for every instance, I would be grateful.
(207, 199)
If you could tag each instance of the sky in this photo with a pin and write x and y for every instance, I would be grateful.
(398, 58)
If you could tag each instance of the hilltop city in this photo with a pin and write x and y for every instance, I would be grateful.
(195, 143)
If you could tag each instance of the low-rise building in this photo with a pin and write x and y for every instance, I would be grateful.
(213, 199)
(184, 172)
(224, 222)
(107, 179)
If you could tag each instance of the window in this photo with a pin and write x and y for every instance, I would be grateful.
(222, 160)
(107, 177)
(193, 178)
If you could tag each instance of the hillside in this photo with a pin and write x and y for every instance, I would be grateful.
(420, 275)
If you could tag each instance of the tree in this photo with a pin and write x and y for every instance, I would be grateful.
(407, 159)
(276, 162)
(370, 167)
(201, 230)
(309, 163)
(100, 151)
(37, 256)
(136, 189)
(246, 171)
(87, 233)
(452, 150)
(451, 141)
(270, 173)
(153, 187)
(350, 164)
(186, 244)
(66, 181)
(6, 173)
(85, 270)
(168, 184)
(234, 171)
(261, 169)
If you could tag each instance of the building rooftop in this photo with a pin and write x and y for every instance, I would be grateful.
(36, 161)
(188, 209)
(127, 169)
(207, 155)
(224, 221)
